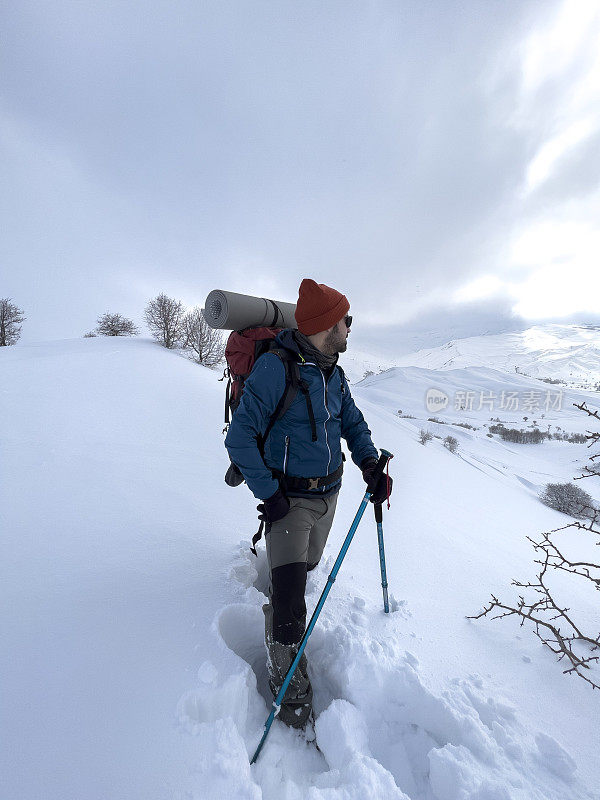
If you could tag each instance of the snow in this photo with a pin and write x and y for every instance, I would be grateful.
(133, 664)
(568, 353)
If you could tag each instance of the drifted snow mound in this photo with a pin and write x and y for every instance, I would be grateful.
(382, 733)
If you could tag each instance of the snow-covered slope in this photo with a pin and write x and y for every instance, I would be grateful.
(478, 397)
(569, 353)
(133, 664)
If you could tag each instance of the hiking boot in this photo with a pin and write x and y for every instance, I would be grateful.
(297, 702)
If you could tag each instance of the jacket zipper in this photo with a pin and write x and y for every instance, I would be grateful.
(311, 363)
(285, 456)
(328, 417)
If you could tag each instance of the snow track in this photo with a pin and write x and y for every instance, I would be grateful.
(382, 732)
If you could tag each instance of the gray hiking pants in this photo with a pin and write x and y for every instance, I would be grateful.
(295, 544)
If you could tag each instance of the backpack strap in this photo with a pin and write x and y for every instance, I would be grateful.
(278, 313)
(257, 537)
(292, 379)
(294, 383)
(303, 386)
(227, 388)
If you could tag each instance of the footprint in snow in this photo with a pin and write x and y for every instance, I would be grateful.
(242, 629)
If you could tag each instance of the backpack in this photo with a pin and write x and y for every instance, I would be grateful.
(243, 349)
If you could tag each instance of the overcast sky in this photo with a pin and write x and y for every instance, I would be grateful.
(435, 161)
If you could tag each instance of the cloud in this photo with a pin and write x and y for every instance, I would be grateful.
(399, 152)
(551, 152)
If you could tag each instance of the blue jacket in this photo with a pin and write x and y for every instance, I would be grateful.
(289, 447)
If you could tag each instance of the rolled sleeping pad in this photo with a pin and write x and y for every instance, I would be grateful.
(233, 311)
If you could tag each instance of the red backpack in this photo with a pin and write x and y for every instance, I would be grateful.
(243, 349)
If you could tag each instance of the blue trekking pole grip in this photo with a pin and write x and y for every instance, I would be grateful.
(383, 459)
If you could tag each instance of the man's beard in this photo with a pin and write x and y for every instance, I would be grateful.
(336, 342)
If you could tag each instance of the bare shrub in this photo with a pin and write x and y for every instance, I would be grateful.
(425, 436)
(557, 627)
(11, 317)
(164, 318)
(204, 343)
(519, 435)
(115, 325)
(569, 499)
(451, 443)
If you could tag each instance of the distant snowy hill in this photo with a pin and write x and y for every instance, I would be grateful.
(476, 397)
(132, 659)
(569, 353)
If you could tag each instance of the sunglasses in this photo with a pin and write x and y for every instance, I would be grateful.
(348, 320)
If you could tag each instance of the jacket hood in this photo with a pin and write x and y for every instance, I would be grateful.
(285, 338)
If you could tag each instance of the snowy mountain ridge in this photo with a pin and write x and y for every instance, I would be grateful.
(566, 353)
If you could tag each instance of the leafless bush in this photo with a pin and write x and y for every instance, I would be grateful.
(115, 325)
(555, 625)
(519, 435)
(593, 437)
(425, 436)
(574, 438)
(11, 318)
(451, 443)
(569, 499)
(164, 317)
(204, 343)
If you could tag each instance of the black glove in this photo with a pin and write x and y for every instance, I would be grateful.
(274, 507)
(383, 489)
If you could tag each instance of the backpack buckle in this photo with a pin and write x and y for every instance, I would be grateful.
(313, 483)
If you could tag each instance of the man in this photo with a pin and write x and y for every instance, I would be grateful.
(299, 474)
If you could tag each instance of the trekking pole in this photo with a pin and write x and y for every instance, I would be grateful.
(383, 459)
(384, 583)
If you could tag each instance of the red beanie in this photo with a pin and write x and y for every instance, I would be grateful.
(319, 307)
